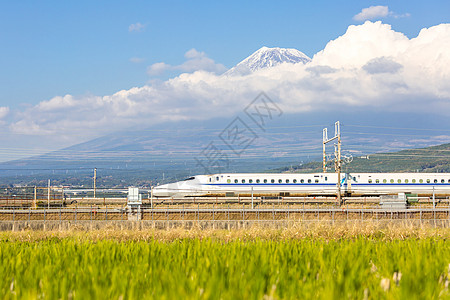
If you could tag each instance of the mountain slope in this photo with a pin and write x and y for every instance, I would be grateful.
(266, 58)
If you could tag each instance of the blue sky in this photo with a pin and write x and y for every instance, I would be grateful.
(73, 71)
(52, 48)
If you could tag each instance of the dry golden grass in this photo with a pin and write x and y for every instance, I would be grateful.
(349, 230)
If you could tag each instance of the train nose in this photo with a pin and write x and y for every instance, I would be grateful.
(165, 190)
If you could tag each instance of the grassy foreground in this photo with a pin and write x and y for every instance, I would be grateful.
(354, 262)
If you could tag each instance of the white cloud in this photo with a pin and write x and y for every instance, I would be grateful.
(137, 60)
(377, 12)
(362, 43)
(4, 111)
(195, 61)
(158, 69)
(57, 103)
(405, 15)
(370, 67)
(136, 27)
(372, 12)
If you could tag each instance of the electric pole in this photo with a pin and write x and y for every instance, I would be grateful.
(48, 194)
(95, 181)
(35, 197)
(337, 156)
(325, 139)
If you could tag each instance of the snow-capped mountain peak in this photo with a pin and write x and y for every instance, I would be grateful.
(266, 58)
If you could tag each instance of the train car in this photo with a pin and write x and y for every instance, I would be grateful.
(301, 184)
(422, 184)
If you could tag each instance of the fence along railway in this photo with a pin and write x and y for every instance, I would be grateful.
(64, 208)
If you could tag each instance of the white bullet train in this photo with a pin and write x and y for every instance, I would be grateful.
(315, 184)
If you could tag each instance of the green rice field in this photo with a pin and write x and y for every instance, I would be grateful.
(224, 265)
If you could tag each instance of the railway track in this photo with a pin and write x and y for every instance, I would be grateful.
(104, 201)
(222, 213)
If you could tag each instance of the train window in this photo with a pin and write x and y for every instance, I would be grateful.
(295, 180)
(236, 181)
(435, 181)
(421, 180)
(243, 180)
(449, 181)
(370, 180)
(428, 180)
(413, 181)
(391, 181)
(250, 180)
(217, 178)
(210, 179)
(228, 180)
(316, 181)
(287, 180)
(399, 181)
(354, 179)
(406, 180)
(302, 180)
(265, 180)
(257, 180)
(309, 180)
(377, 180)
(442, 181)
(273, 180)
(384, 180)
(280, 181)
(326, 178)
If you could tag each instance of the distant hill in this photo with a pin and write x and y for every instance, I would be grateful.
(426, 160)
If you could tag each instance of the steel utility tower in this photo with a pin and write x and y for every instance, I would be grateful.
(337, 155)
